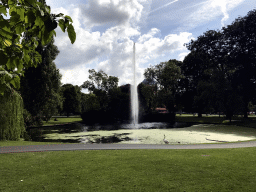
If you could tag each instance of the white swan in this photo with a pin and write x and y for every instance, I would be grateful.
(166, 141)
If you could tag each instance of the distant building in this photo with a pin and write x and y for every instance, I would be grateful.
(161, 110)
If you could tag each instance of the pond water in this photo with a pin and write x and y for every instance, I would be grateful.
(145, 133)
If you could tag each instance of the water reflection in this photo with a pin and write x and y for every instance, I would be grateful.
(39, 134)
(147, 125)
(144, 133)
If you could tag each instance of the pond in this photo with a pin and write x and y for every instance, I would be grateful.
(144, 133)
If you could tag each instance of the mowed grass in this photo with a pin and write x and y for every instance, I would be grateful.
(130, 170)
(215, 119)
(63, 120)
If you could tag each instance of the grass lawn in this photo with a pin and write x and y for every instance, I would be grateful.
(215, 119)
(130, 170)
(62, 120)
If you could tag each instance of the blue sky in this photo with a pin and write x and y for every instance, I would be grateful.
(106, 30)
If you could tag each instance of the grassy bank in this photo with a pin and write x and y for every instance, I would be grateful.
(211, 119)
(215, 119)
(130, 170)
(62, 120)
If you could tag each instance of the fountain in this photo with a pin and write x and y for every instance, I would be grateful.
(134, 93)
(143, 133)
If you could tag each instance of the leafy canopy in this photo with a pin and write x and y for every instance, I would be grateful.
(100, 80)
(17, 54)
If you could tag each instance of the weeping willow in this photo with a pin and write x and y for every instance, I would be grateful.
(11, 115)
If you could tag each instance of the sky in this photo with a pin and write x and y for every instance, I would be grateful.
(106, 31)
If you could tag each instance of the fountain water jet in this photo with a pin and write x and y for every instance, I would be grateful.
(134, 93)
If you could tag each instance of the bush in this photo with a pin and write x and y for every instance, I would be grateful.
(31, 121)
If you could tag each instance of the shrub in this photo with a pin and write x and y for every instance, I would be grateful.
(31, 121)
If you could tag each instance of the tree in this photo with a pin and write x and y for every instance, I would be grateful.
(194, 68)
(107, 101)
(240, 36)
(11, 115)
(100, 84)
(208, 56)
(40, 86)
(147, 96)
(167, 76)
(36, 18)
(89, 102)
(231, 54)
(100, 80)
(72, 99)
(118, 107)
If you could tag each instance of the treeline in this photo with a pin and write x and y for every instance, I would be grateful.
(218, 75)
(219, 72)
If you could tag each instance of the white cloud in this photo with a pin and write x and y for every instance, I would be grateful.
(119, 12)
(149, 35)
(225, 6)
(75, 76)
(148, 48)
(153, 47)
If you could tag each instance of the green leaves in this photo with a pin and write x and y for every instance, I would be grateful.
(50, 24)
(30, 17)
(27, 58)
(5, 32)
(68, 18)
(16, 82)
(30, 2)
(3, 10)
(15, 17)
(19, 29)
(62, 25)
(12, 63)
(3, 57)
(36, 20)
(21, 12)
(46, 36)
(7, 43)
(39, 22)
(48, 9)
(5, 77)
(3, 23)
(12, 10)
(71, 33)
